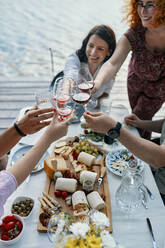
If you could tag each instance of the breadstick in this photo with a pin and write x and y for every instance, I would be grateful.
(48, 202)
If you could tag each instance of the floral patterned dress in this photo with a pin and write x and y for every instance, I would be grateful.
(146, 77)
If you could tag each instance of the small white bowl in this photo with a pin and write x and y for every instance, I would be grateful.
(13, 241)
(23, 198)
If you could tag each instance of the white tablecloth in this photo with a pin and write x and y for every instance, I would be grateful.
(131, 231)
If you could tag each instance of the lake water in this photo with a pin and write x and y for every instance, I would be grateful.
(28, 29)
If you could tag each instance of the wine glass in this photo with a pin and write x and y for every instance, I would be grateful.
(52, 226)
(92, 104)
(82, 92)
(62, 99)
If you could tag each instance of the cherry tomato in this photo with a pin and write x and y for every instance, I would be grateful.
(64, 194)
(8, 218)
(57, 193)
(4, 237)
(19, 225)
(86, 131)
(10, 225)
(3, 227)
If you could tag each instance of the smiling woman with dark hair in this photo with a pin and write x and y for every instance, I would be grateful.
(97, 47)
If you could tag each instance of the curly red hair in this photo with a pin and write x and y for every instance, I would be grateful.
(133, 19)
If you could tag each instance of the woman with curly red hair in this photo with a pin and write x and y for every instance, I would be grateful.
(146, 73)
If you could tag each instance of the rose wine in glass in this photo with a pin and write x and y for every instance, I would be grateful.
(62, 95)
(64, 106)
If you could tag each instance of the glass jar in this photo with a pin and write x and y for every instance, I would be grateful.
(88, 185)
(128, 196)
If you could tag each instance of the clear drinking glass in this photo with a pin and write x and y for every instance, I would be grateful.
(43, 99)
(106, 105)
(88, 185)
(128, 196)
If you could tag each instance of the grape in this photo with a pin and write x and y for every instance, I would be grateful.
(84, 145)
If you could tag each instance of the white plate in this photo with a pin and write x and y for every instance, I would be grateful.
(21, 152)
(116, 162)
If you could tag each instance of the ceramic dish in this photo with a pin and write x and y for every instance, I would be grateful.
(18, 230)
(22, 200)
(117, 161)
(21, 152)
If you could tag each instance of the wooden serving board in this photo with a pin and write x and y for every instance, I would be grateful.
(103, 191)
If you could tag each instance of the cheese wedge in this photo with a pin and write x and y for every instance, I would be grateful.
(50, 167)
(60, 164)
(52, 164)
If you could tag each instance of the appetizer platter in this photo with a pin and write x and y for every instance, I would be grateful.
(76, 182)
(117, 161)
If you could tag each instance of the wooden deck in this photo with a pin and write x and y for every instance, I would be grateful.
(16, 94)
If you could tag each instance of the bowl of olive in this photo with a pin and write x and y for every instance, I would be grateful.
(22, 206)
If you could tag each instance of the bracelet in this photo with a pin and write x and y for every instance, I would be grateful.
(18, 130)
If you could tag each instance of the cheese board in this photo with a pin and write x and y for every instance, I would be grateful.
(67, 164)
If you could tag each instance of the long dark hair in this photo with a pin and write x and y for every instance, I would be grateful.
(105, 33)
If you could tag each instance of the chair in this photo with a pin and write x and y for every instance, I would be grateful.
(60, 74)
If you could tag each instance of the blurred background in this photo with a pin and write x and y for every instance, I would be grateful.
(28, 29)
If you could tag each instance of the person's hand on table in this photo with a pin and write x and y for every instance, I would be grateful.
(99, 122)
(133, 120)
(35, 119)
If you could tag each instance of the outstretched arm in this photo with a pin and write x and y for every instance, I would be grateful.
(148, 151)
(32, 122)
(110, 68)
(25, 165)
